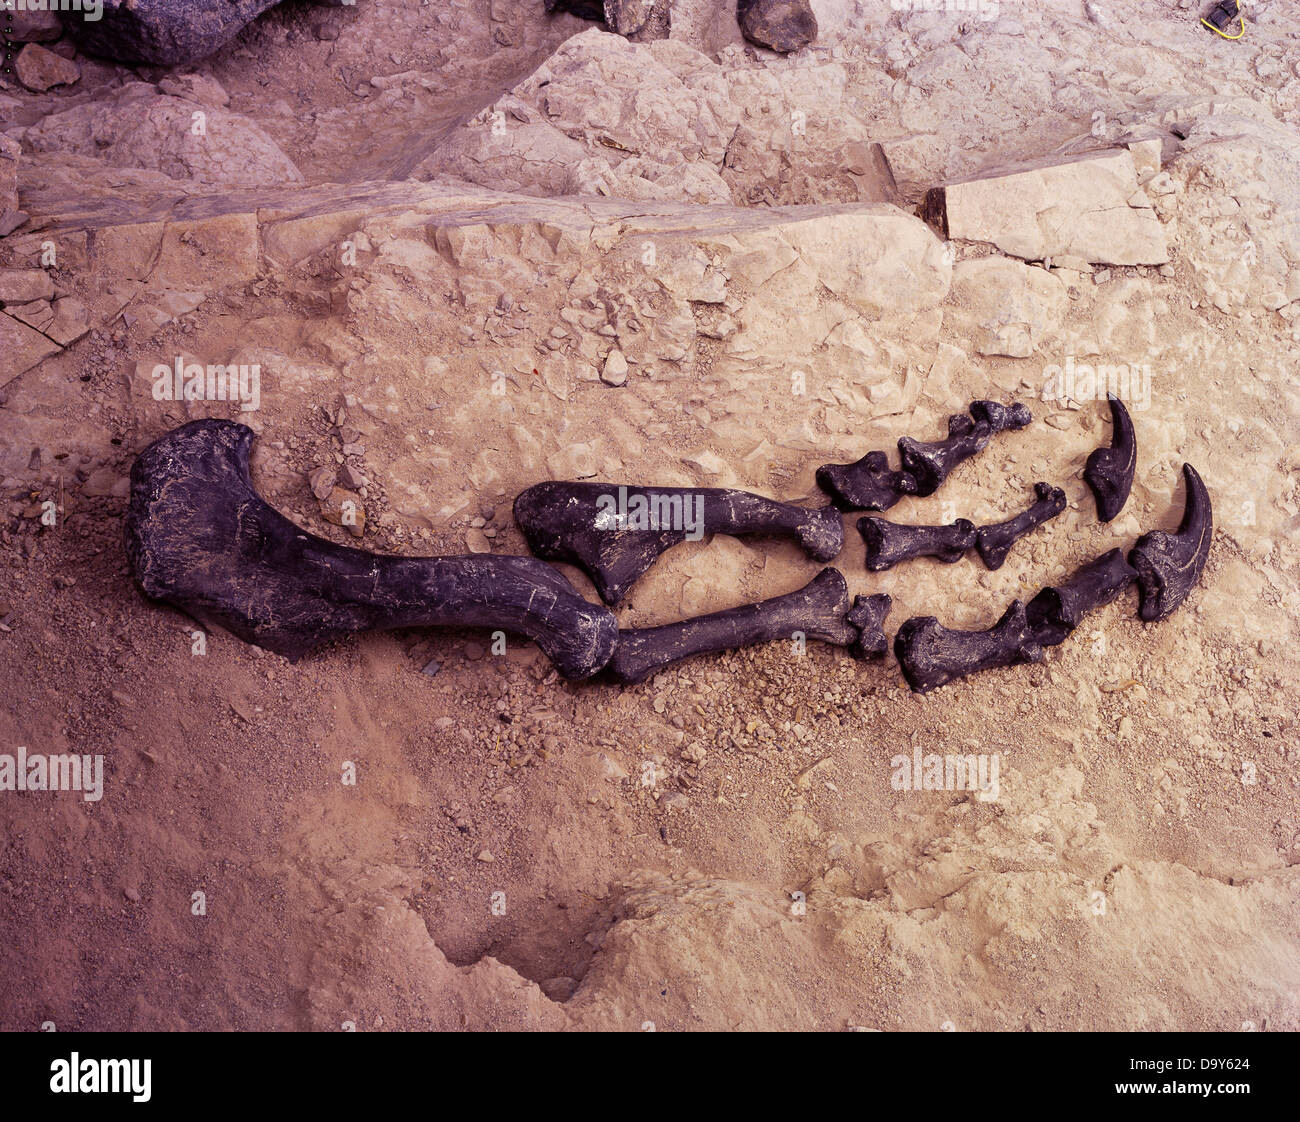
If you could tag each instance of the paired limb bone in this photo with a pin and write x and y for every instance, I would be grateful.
(614, 532)
(200, 537)
(819, 610)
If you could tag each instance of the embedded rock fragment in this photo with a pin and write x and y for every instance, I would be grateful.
(1169, 565)
(994, 542)
(1109, 471)
(889, 543)
(198, 536)
(40, 69)
(819, 610)
(782, 25)
(931, 654)
(10, 216)
(1058, 609)
(614, 532)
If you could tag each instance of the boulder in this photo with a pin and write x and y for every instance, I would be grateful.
(10, 216)
(164, 32)
(1089, 207)
(33, 27)
(41, 70)
(782, 25)
(137, 127)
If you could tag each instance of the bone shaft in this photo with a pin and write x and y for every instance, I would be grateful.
(816, 611)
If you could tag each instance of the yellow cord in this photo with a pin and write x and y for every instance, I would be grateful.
(1231, 38)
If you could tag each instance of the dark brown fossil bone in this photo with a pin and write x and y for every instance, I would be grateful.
(1169, 565)
(868, 616)
(1109, 470)
(930, 654)
(994, 542)
(817, 611)
(1058, 609)
(869, 484)
(200, 537)
(930, 464)
(581, 523)
(889, 543)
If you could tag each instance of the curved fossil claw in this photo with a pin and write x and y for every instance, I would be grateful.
(1169, 565)
(1109, 471)
(200, 537)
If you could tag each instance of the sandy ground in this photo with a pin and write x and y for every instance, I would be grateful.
(488, 846)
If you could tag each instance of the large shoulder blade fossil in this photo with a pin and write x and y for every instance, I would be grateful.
(614, 532)
(198, 536)
(1169, 565)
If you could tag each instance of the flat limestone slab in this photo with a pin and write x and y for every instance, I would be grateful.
(1090, 207)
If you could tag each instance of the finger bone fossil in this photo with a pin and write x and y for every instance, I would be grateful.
(889, 543)
(931, 464)
(931, 654)
(614, 532)
(870, 484)
(994, 542)
(1058, 609)
(1109, 470)
(868, 616)
(819, 610)
(198, 536)
(1169, 565)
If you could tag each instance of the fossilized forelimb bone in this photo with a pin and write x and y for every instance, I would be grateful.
(614, 532)
(999, 417)
(816, 611)
(1057, 610)
(869, 484)
(200, 537)
(1109, 470)
(888, 543)
(995, 542)
(931, 464)
(868, 616)
(931, 655)
(1169, 565)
